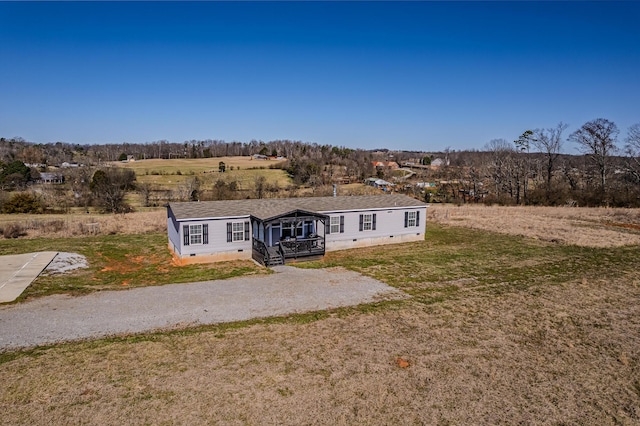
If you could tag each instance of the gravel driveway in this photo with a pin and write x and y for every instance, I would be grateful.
(290, 290)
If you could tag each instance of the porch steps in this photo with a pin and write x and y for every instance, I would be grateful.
(275, 258)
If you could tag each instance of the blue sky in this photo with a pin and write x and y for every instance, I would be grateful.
(410, 75)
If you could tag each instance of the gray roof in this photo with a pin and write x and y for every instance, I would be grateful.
(267, 208)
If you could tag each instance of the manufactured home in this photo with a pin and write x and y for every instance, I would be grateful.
(274, 231)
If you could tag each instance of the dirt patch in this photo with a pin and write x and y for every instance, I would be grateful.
(625, 225)
(132, 263)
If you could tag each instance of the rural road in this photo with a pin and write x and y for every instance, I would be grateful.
(290, 290)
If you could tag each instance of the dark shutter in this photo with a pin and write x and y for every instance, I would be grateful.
(327, 226)
(406, 219)
(246, 231)
(342, 224)
(205, 234)
(361, 221)
(418, 218)
(185, 231)
(229, 232)
(374, 222)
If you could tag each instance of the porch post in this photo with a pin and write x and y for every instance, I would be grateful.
(267, 237)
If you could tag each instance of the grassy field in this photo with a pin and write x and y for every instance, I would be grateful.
(499, 329)
(168, 174)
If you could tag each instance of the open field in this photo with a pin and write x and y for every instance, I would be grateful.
(168, 174)
(589, 227)
(86, 224)
(195, 165)
(499, 329)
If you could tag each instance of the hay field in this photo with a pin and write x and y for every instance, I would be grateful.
(499, 329)
(195, 165)
(169, 174)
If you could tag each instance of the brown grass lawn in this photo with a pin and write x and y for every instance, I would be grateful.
(500, 329)
(87, 224)
(589, 227)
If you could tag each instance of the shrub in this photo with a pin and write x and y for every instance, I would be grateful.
(54, 226)
(23, 202)
(13, 230)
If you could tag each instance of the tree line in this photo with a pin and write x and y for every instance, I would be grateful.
(532, 169)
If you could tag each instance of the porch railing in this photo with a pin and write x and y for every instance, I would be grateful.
(260, 252)
(295, 247)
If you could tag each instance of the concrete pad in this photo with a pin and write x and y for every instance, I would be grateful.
(19, 270)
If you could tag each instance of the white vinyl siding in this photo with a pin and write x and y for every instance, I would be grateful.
(195, 234)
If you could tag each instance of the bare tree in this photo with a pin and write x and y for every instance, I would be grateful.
(260, 182)
(497, 167)
(597, 139)
(632, 150)
(146, 190)
(549, 142)
(109, 186)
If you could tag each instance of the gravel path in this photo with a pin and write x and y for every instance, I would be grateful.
(291, 290)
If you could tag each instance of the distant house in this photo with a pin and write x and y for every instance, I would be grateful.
(274, 231)
(51, 178)
(380, 184)
(380, 165)
(67, 164)
(438, 162)
(425, 185)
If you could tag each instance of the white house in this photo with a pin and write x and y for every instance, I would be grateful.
(272, 231)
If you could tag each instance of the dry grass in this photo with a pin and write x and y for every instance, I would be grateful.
(588, 227)
(552, 355)
(500, 330)
(84, 224)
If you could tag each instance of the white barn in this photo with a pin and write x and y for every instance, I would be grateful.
(272, 231)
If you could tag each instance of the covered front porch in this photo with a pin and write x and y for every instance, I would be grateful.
(294, 235)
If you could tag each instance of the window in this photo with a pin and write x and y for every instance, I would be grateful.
(196, 234)
(238, 231)
(411, 219)
(367, 222)
(335, 224)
